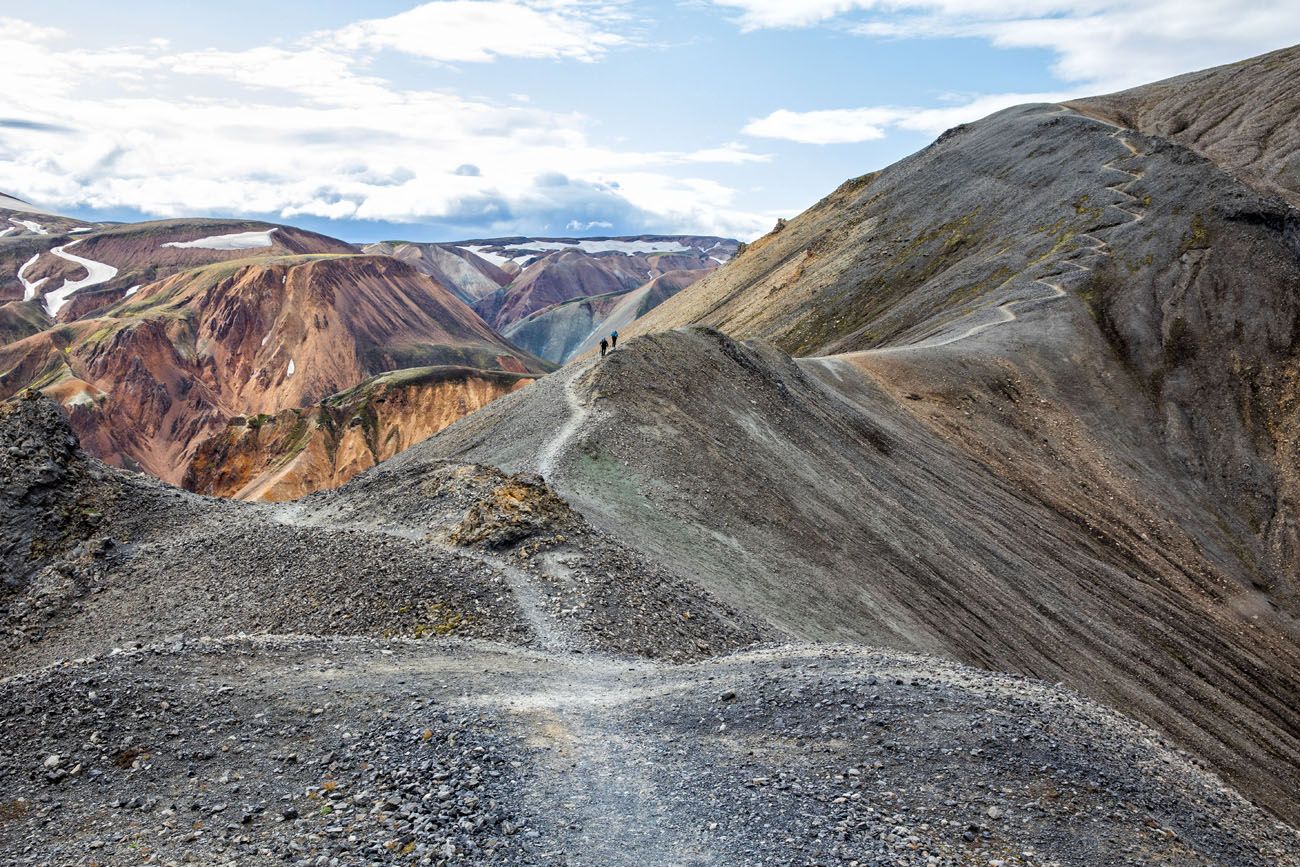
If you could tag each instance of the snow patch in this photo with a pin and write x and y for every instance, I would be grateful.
(83, 229)
(629, 247)
(266, 338)
(236, 241)
(291, 368)
(35, 228)
(29, 289)
(134, 289)
(11, 229)
(96, 273)
(485, 253)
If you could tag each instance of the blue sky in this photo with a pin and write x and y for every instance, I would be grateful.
(478, 118)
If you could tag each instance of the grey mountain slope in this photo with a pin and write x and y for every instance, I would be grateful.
(492, 753)
(1069, 458)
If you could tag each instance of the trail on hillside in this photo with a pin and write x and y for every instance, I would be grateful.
(556, 445)
(601, 789)
(601, 794)
(1005, 312)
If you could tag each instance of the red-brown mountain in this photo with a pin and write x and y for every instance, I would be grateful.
(148, 379)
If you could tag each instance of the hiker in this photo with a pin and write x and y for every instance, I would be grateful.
(604, 346)
(613, 340)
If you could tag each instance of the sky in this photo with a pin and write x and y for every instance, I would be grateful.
(460, 119)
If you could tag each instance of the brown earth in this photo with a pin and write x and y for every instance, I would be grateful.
(566, 274)
(157, 374)
(294, 452)
(137, 250)
(469, 276)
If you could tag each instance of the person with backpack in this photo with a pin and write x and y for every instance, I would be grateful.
(604, 346)
(613, 340)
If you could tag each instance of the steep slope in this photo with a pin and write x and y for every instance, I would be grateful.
(1242, 116)
(298, 451)
(1188, 274)
(469, 276)
(356, 696)
(566, 330)
(1049, 428)
(160, 372)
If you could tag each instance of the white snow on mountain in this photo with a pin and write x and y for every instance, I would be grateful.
(235, 241)
(613, 246)
(96, 273)
(33, 227)
(29, 289)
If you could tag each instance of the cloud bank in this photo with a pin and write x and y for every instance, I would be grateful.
(1099, 46)
(309, 130)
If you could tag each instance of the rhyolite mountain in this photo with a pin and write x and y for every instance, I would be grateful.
(176, 352)
(980, 447)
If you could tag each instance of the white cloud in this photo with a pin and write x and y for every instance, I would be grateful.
(850, 125)
(310, 131)
(1104, 43)
(732, 154)
(470, 31)
(1100, 46)
(831, 126)
(756, 14)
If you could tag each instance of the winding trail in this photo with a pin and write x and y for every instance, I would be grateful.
(603, 799)
(555, 447)
(1005, 312)
(550, 634)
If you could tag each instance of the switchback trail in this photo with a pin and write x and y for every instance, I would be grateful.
(1005, 311)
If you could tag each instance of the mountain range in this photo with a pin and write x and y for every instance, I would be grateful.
(954, 521)
(260, 361)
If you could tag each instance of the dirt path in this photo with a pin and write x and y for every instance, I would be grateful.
(530, 599)
(602, 790)
(554, 448)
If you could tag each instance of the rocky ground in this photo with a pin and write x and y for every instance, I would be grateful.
(619, 715)
(363, 751)
(100, 558)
